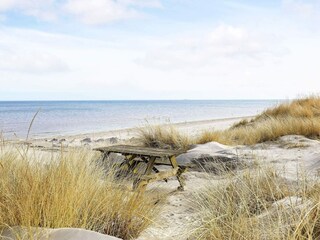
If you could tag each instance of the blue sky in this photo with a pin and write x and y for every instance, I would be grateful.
(158, 49)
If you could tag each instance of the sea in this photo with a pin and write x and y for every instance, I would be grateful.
(52, 118)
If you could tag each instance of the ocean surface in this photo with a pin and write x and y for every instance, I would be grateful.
(74, 117)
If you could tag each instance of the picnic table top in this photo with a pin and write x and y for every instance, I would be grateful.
(140, 151)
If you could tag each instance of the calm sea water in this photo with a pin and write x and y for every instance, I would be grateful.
(72, 117)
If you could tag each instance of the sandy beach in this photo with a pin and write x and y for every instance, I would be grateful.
(259, 144)
(292, 154)
(159, 120)
(106, 138)
(293, 157)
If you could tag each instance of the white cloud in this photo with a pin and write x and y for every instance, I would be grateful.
(224, 62)
(142, 3)
(18, 55)
(41, 9)
(88, 11)
(34, 62)
(105, 11)
(7, 4)
(225, 43)
(303, 8)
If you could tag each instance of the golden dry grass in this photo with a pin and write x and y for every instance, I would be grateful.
(264, 130)
(308, 226)
(297, 117)
(245, 208)
(308, 107)
(68, 190)
(163, 136)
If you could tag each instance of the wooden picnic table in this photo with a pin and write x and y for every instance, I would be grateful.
(151, 157)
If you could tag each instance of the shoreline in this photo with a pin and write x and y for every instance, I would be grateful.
(220, 123)
(127, 135)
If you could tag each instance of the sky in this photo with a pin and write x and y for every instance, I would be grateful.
(159, 49)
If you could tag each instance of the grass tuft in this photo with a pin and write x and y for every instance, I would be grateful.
(264, 130)
(69, 190)
(258, 204)
(163, 136)
(297, 117)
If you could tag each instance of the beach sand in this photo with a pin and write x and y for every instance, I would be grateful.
(292, 155)
(127, 136)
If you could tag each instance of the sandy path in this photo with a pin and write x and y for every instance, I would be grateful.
(177, 215)
(293, 156)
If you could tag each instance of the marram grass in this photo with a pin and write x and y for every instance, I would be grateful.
(68, 190)
(248, 206)
(163, 136)
(297, 117)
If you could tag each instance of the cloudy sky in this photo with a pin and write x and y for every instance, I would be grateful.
(159, 49)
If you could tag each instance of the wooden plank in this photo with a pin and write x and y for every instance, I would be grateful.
(140, 151)
(164, 162)
(160, 175)
(179, 176)
(150, 165)
(145, 180)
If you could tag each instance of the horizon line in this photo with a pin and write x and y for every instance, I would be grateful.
(118, 100)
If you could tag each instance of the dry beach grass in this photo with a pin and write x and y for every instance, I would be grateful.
(258, 204)
(71, 189)
(297, 117)
(163, 136)
(68, 190)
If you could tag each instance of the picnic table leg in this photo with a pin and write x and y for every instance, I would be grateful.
(150, 165)
(180, 178)
(105, 156)
(141, 184)
(128, 161)
(153, 168)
